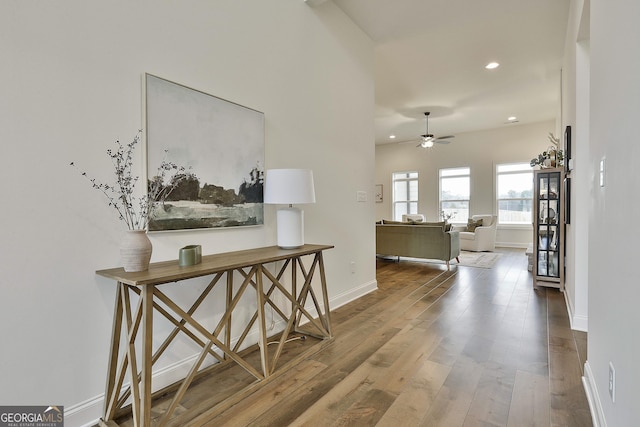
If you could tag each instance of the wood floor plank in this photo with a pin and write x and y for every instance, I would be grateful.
(455, 396)
(354, 387)
(530, 404)
(415, 400)
(565, 370)
(387, 370)
(286, 412)
(368, 410)
(430, 347)
(567, 392)
(399, 373)
(491, 402)
(250, 409)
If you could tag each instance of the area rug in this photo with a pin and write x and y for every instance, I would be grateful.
(467, 259)
(478, 259)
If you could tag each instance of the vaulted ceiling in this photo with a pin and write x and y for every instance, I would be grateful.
(430, 55)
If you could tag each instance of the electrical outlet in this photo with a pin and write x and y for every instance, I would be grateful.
(352, 264)
(612, 382)
(361, 196)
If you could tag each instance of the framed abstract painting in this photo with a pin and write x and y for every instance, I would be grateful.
(221, 142)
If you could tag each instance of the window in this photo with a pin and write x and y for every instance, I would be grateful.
(455, 190)
(405, 194)
(515, 193)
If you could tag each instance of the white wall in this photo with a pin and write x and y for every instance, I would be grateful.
(71, 85)
(481, 151)
(575, 113)
(614, 292)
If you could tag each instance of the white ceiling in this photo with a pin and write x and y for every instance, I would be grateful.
(430, 56)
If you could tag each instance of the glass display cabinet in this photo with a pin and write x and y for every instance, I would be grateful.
(548, 228)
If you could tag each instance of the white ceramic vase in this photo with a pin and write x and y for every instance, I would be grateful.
(135, 251)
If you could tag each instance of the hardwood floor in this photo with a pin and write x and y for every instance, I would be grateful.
(469, 347)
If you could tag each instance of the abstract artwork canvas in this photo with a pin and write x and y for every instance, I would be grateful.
(222, 144)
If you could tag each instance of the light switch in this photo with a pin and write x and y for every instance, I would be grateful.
(361, 196)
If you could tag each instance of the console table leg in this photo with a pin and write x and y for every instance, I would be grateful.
(228, 303)
(264, 353)
(325, 297)
(147, 341)
(111, 394)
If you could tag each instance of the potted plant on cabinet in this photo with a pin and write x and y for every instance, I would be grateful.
(551, 157)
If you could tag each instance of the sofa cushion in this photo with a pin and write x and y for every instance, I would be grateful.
(444, 225)
(473, 224)
(439, 223)
(388, 221)
(464, 235)
(434, 224)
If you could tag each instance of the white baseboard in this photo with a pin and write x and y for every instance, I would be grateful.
(511, 245)
(595, 405)
(88, 413)
(84, 414)
(578, 322)
(353, 294)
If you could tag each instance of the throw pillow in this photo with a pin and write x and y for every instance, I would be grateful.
(472, 225)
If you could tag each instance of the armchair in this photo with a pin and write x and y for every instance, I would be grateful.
(484, 236)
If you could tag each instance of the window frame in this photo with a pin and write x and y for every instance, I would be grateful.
(466, 174)
(526, 168)
(408, 179)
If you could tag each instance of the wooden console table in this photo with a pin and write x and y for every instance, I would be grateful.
(131, 317)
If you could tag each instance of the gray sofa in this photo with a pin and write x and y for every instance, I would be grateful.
(417, 241)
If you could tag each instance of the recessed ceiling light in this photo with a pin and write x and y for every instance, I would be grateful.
(491, 65)
(512, 118)
(392, 137)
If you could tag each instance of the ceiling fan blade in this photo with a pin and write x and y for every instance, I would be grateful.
(446, 137)
(443, 141)
(407, 141)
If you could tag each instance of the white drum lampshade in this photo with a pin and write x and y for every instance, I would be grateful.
(289, 187)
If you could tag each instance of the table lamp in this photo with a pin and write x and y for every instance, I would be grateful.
(289, 187)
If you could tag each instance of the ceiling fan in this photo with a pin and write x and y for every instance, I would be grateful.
(428, 139)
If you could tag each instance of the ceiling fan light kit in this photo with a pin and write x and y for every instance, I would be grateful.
(428, 139)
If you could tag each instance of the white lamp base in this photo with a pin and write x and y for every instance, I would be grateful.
(290, 228)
